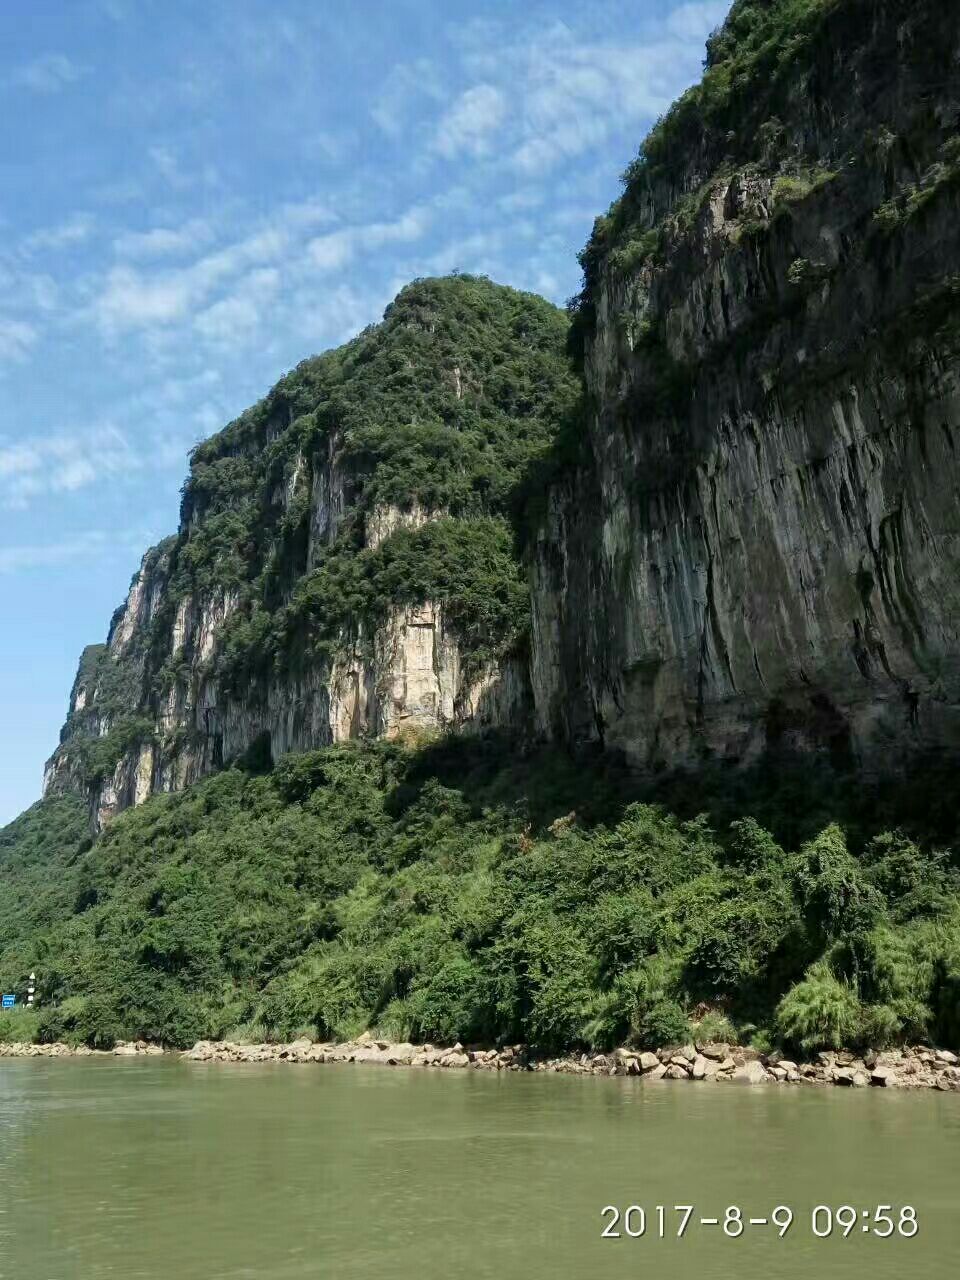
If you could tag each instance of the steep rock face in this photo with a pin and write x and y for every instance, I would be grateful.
(344, 566)
(752, 541)
(762, 541)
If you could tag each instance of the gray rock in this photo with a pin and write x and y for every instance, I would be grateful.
(752, 1072)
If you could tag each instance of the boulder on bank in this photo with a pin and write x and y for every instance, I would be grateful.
(895, 1068)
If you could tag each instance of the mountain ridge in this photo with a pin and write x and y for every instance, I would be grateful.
(567, 682)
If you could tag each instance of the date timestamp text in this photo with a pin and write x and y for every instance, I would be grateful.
(662, 1220)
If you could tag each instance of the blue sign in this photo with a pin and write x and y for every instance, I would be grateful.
(9, 1002)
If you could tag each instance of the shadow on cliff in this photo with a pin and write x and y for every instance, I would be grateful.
(794, 796)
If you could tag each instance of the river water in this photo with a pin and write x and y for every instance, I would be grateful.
(159, 1168)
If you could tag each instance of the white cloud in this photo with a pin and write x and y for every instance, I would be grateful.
(236, 318)
(329, 317)
(74, 230)
(44, 465)
(167, 163)
(16, 339)
(312, 212)
(162, 242)
(521, 199)
(329, 252)
(566, 96)
(49, 554)
(476, 253)
(86, 545)
(142, 293)
(467, 126)
(132, 300)
(48, 73)
(408, 87)
(337, 248)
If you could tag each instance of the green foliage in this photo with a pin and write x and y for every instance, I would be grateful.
(819, 1012)
(837, 898)
(913, 198)
(19, 1025)
(463, 891)
(664, 1023)
(98, 757)
(467, 565)
(444, 404)
(729, 121)
(452, 408)
(790, 188)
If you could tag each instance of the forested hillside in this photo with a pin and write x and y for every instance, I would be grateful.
(571, 680)
(465, 892)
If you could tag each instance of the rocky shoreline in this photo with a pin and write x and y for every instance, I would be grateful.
(916, 1068)
(913, 1068)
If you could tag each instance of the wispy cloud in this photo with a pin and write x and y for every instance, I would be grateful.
(88, 544)
(164, 242)
(72, 231)
(16, 339)
(236, 318)
(45, 555)
(567, 96)
(467, 127)
(55, 464)
(48, 74)
(135, 294)
(337, 248)
(404, 92)
(169, 165)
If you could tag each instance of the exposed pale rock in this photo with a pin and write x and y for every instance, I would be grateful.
(752, 1072)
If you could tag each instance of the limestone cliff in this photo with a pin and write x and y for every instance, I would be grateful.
(344, 566)
(761, 541)
(742, 525)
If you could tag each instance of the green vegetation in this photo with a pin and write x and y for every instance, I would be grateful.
(729, 122)
(96, 758)
(450, 406)
(464, 892)
(941, 178)
(759, 42)
(468, 565)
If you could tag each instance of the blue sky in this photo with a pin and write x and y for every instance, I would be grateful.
(196, 196)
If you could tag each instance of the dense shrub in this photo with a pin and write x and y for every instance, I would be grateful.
(465, 891)
(819, 1011)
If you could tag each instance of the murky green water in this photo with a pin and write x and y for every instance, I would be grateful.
(166, 1169)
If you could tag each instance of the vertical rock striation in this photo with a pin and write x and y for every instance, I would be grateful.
(344, 566)
(761, 541)
(750, 532)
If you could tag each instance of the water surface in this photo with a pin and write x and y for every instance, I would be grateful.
(159, 1168)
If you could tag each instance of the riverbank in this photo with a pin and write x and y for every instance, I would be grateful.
(915, 1068)
(712, 1062)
